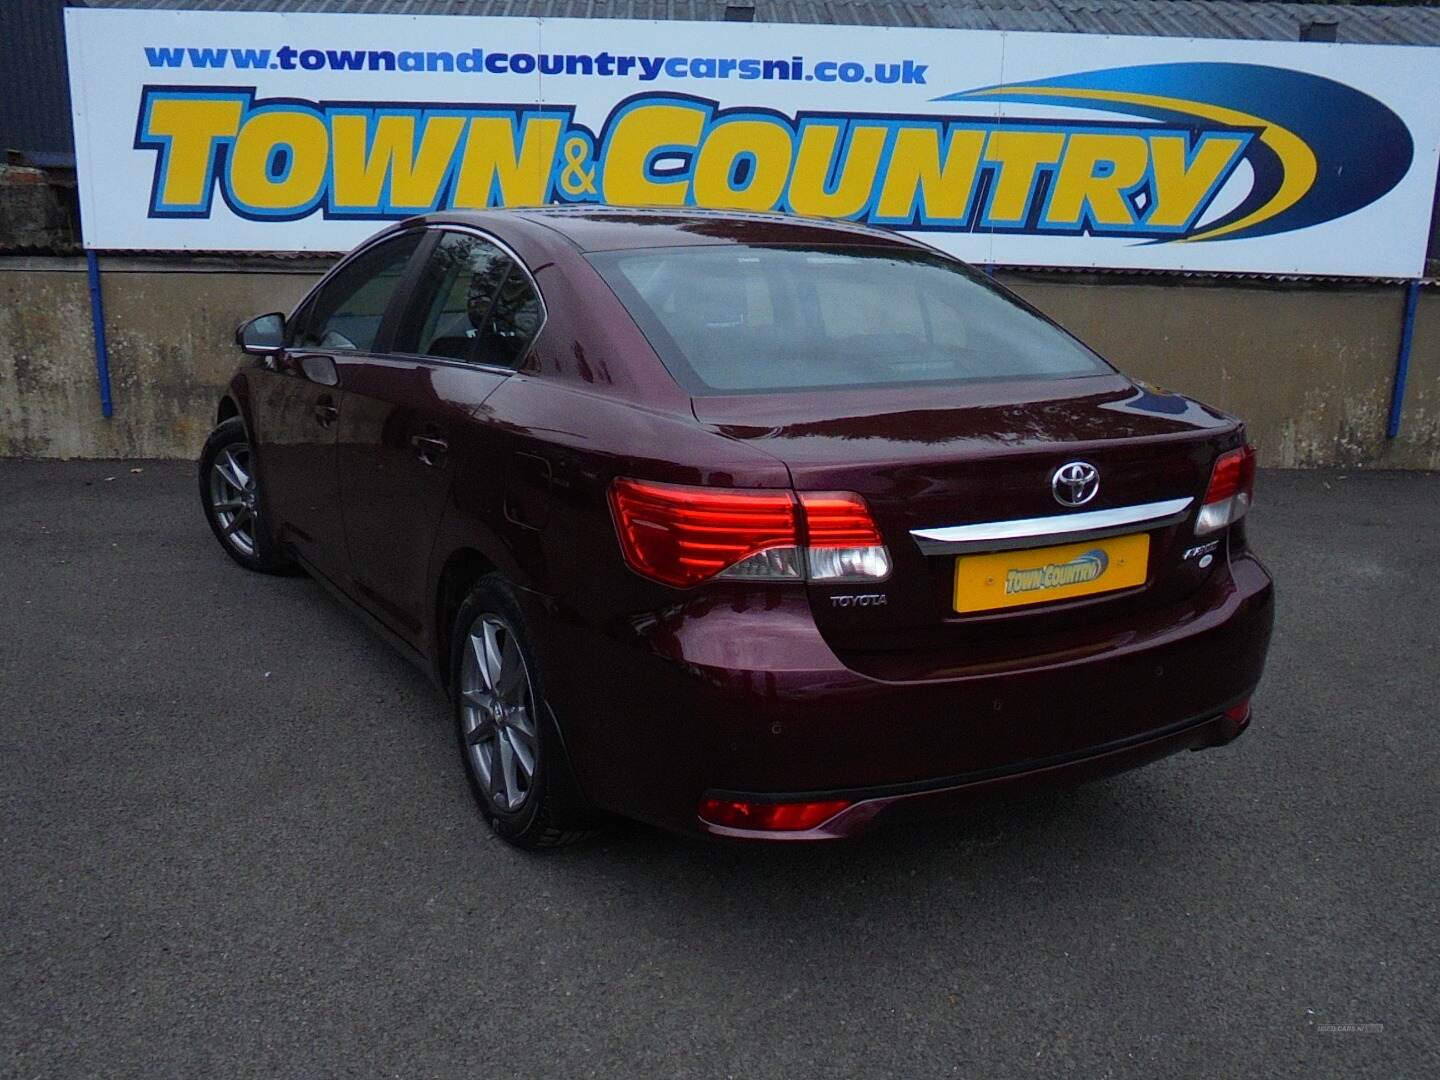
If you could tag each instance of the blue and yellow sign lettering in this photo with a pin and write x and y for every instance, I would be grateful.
(1149, 178)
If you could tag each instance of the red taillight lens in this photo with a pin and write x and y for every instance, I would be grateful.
(1231, 490)
(682, 535)
(1238, 713)
(1234, 473)
(838, 519)
(772, 817)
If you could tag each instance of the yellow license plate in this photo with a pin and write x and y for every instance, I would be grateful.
(1005, 579)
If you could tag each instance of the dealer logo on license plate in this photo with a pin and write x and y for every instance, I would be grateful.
(1079, 570)
(1005, 579)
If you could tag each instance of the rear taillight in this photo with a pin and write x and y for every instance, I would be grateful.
(1232, 489)
(843, 543)
(770, 817)
(681, 536)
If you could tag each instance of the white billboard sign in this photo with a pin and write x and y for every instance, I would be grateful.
(305, 132)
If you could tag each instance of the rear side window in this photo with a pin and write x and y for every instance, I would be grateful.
(741, 319)
(345, 315)
(472, 303)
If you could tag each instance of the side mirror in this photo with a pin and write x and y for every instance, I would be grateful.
(262, 335)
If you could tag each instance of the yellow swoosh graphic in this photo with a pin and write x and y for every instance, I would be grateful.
(1297, 159)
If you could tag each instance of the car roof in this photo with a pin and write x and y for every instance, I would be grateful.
(611, 228)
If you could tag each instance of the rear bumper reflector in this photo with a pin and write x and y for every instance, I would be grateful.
(769, 816)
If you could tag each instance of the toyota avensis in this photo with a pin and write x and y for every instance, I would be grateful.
(743, 524)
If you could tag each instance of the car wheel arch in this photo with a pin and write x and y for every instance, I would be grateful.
(462, 568)
(236, 400)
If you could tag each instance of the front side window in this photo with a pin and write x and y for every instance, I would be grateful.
(473, 304)
(345, 315)
(742, 319)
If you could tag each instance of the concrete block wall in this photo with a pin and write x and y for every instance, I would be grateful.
(1308, 365)
(170, 326)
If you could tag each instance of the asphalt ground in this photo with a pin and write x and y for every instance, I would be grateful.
(237, 842)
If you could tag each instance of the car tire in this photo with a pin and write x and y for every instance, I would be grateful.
(228, 494)
(511, 750)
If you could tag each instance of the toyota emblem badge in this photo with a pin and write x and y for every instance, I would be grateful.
(1075, 483)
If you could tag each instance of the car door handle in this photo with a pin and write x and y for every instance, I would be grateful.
(325, 412)
(429, 448)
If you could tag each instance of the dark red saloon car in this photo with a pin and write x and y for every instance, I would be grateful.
(742, 524)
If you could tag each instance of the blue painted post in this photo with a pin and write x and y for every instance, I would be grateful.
(97, 319)
(1402, 362)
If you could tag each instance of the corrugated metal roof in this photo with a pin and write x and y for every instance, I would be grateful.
(1370, 24)
(35, 104)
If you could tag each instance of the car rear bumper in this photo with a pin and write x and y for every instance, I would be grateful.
(742, 694)
(944, 795)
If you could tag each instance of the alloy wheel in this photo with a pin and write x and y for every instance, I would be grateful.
(232, 496)
(498, 713)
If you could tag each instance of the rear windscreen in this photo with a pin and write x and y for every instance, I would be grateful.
(743, 319)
